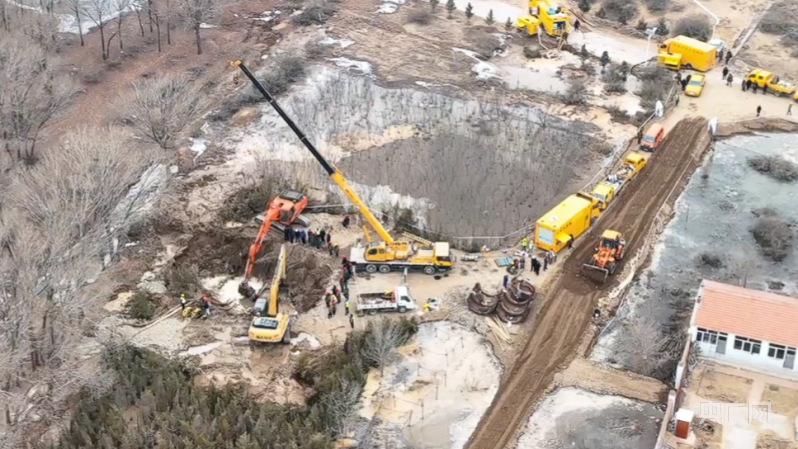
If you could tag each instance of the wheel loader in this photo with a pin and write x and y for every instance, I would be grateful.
(610, 251)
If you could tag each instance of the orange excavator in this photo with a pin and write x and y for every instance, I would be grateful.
(282, 212)
(610, 251)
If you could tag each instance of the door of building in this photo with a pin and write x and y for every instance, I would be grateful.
(789, 361)
(721, 348)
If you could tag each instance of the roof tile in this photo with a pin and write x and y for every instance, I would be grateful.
(748, 313)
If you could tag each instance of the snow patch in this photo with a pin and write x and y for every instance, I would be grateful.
(198, 146)
(483, 69)
(205, 26)
(361, 66)
(197, 350)
(387, 8)
(341, 42)
(303, 336)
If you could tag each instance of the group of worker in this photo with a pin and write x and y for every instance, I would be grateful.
(205, 303)
(319, 239)
(519, 263)
(334, 295)
(727, 76)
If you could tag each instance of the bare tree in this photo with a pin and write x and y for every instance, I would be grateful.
(54, 228)
(99, 12)
(196, 13)
(161, 107)
(383, 337)
(339, 405)
(121, 7)
(646, 347)
(76, 7)
(32, 90)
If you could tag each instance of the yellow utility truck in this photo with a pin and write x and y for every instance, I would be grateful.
(683, 51)
(774, 84)
(608, 189)
(545, 14)
(270, 325)
(568, 220)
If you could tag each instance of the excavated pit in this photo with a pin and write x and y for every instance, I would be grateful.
(465, 167)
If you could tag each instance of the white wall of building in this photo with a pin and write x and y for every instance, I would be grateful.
(742, 358)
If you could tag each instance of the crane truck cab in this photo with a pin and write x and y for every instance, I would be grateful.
(683, 51)
(545, 14)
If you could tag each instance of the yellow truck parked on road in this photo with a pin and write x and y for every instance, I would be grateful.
(683, 51)
(608, 189)
(544, 14)
(568, 220)
(774, 84)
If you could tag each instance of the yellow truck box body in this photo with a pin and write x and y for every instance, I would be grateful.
(571, 217)
(695, 54)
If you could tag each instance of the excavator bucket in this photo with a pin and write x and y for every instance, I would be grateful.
(246, 290)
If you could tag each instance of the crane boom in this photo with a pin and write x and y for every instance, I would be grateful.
(332, 171)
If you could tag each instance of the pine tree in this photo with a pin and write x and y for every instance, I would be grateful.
(662, 27)
(584, 5)
(433, 4)
(624, 69)
(508, 25)
(605, 59)
(469, 11)
(450, 8)
(490, 19)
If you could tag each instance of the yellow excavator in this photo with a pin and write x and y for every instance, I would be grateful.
(383, 256)
(270, 325)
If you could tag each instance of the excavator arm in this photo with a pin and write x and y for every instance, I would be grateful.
(332, 171)
(269, 215)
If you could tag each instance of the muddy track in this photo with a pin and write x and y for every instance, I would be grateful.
(565, 316)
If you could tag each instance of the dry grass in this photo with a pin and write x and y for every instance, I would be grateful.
(782, 19)
(775, 167)
(696, 26)
(774, 237)
(621, 11)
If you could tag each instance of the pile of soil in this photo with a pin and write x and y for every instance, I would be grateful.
(225, 251)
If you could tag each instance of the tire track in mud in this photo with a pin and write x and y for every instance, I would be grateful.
(563, 319)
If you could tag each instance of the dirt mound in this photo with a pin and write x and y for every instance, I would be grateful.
(307, 275)
(566, 313)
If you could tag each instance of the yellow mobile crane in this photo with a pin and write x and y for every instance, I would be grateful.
(384, 256)
(269, 325)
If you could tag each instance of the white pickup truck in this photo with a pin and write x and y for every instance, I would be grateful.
(398, 300)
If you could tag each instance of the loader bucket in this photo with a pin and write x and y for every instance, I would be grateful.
(595, 272)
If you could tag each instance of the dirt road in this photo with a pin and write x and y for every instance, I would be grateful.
(564, 317)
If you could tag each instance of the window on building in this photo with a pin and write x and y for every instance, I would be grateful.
(776, 351)
(706, 336)
(747, 345)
